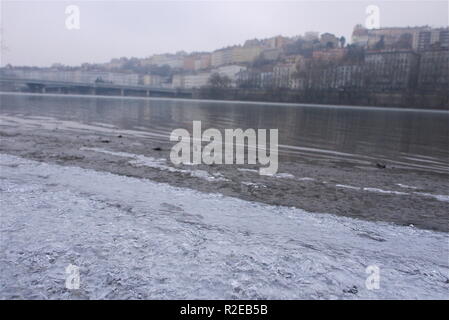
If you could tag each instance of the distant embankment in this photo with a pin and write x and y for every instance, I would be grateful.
(400, 99)
(403, 99)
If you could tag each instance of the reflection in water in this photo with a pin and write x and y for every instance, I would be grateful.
(373, 132)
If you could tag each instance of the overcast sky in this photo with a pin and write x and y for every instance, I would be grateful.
(35, 33)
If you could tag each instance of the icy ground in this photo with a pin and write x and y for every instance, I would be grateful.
(133, 238)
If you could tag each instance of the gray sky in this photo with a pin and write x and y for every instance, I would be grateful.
(34, 32)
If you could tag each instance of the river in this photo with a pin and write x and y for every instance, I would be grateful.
(417, 138)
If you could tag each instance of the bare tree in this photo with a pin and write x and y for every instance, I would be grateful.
(219, 81)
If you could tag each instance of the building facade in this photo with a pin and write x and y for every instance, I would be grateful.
(391, 70)
(221, 57)
(424, 40)
(283, 75)
(433, 70)
(172, 60)
(196, 80)
(245, 54)
(368, 38)
(230, 71)
(329, 54)
(152, 80)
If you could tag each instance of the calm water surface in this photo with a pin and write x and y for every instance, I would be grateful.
(409, 137)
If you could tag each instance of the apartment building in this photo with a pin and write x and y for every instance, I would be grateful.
(245, 54)
(231, 71)
(425, 39)
(433, 70)
(152, 80)
(171, 60)
(189, 62)
(271, 54)
(329, 40)
(391, 70)
(369, 37)
(329, 54)
(283, 75)
(196, 80)
(178, 81)
(203, 62)
(221, 57)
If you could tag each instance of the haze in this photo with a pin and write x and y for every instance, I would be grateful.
(34, 32)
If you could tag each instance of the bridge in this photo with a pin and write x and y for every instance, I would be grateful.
(94, 88)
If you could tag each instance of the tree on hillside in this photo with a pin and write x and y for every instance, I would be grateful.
(329, 45)
(380, 44)
(219, 81)
(404, 42)
(354, 54)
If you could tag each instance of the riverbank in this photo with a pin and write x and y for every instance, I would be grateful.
(357, 188)
(132, 238)
(218, 101)
(356, 99)
(415, 99)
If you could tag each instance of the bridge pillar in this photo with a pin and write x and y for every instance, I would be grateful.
(122, 92)
(148, 93)
(44, 90)
(93, 91)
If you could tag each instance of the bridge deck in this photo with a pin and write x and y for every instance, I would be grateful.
(94, 85)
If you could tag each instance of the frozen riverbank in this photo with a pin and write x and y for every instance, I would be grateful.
(133, 238)
(341, 184)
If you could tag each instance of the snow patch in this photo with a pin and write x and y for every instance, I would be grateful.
(254, 185)
(280, 175)
(347, 187)
(306, 179)
(406, 186)
(137, 239)
(440, 197)
(385, 191)
(248, 170)
(140, 160)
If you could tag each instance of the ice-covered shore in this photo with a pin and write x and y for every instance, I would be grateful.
(134, 238)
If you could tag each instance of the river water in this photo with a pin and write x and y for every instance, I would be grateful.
(417, 138)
